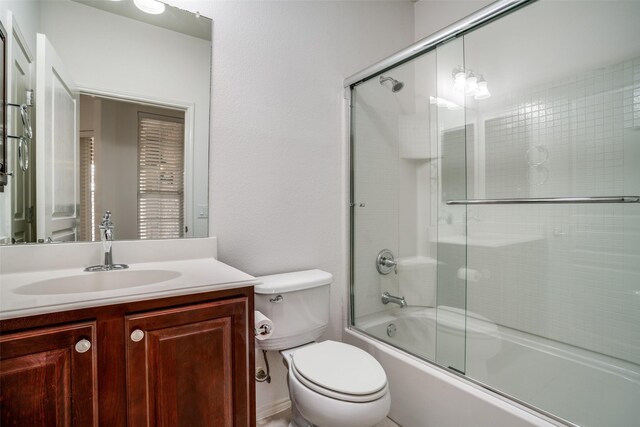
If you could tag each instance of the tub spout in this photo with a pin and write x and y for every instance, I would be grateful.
(387, 298)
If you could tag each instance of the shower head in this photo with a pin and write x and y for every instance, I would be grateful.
(396, 86)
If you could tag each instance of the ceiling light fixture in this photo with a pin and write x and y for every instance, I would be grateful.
(153, 7)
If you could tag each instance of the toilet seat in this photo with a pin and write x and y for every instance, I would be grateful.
(339, 371)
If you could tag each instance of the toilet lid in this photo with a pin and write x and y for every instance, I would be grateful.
(340, 367)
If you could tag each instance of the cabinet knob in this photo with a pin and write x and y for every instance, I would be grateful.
(137, 335)
(83, 346)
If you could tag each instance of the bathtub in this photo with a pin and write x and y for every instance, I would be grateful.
(572, 384)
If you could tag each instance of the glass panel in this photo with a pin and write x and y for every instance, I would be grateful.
(554, 290)
(451, 230)
(392, 180)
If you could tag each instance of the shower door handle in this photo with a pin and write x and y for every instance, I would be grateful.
(547, 200)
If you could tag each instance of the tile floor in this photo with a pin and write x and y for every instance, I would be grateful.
(281, 419)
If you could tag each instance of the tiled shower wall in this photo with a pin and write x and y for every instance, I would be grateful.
(578, 280)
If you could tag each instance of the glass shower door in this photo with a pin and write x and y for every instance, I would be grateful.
(553, 289)
(451, 239)
(375, 203)
(500, 171)
(394, 169)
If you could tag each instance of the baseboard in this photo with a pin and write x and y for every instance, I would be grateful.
(272, 409)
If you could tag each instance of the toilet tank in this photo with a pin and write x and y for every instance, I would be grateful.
(298, 305)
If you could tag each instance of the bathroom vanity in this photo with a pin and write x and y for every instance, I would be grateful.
(176, 352)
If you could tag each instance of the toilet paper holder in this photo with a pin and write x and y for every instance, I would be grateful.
(262, 330)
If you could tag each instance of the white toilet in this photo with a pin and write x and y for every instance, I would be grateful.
(331, 384)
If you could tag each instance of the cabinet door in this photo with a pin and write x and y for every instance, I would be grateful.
(188, 366)
(48, 377)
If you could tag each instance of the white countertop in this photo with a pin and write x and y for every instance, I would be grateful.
(187, 276)
(196, 276)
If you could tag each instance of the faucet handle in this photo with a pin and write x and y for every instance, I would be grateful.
(106, 220)
(385, 262)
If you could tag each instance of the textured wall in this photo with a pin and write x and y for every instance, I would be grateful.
(278, 149)
(431, 16)
(278, 175)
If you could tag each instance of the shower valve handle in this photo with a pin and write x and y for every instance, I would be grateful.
(388, 262)
(385, 262)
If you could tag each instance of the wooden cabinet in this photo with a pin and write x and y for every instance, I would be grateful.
(180, 361)
(180, 366)
(48, 377)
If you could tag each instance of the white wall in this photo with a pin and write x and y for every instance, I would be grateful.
(278, 161)
(278, 158)
(431, 16)
(27, 13)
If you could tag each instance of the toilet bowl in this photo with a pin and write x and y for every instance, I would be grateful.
(331, 384)
(335, 384)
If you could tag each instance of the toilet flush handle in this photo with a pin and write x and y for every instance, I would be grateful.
(277, 299)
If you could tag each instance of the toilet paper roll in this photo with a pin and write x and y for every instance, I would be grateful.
(469, 274)
(263, 326)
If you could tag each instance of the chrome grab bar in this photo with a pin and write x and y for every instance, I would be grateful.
(549, 200)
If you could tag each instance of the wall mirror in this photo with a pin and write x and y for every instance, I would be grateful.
(118, 101)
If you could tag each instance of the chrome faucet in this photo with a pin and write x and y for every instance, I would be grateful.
(387, 298)
(106, 235)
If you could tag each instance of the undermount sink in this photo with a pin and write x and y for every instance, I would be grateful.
(97, 282)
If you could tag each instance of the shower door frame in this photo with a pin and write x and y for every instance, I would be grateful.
(483, 16)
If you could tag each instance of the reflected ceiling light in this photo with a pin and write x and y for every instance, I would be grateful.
(483, 90)
(440, 102)
(153, 7)
(459, 79)
(470, 84)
